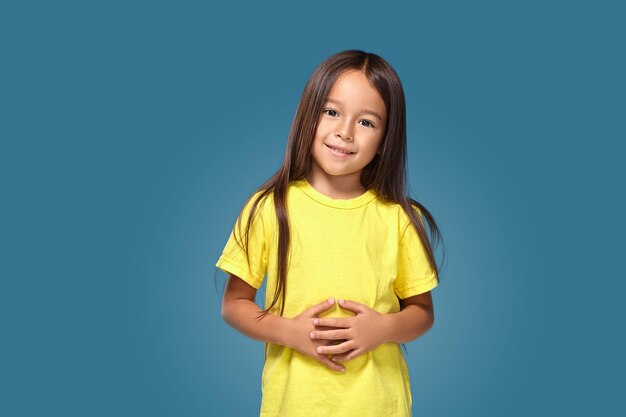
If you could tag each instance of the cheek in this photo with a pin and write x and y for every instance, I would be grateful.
(372, 144)
(322, 130)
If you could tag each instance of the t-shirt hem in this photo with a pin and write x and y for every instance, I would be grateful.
(229, 266)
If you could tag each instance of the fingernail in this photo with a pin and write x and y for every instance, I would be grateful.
(331, 300)
(316, 321)
(312, 335)
(319, 350)
(340, 301)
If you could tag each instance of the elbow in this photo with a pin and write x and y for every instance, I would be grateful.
(231, 311)
(225, 312)
(428, 319)
(431, 320)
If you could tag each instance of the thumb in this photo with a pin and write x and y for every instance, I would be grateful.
(318, 308)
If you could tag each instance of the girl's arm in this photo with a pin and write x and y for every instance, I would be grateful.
(240, 311)
(414, 319)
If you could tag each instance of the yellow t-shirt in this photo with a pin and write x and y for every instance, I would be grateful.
(362, 249)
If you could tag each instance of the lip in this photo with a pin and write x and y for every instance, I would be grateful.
(339, 154)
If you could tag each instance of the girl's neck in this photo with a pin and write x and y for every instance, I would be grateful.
(340, 187)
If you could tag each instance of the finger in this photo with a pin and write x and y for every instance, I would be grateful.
(345, 356)
(339, 358)
(329, 334)
(333, 322)
(324, 305)
(353, 306)
(325, 328)
(330, 364)
(334, 349)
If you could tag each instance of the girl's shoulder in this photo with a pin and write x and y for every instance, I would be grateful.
(265, 210)
(402, 216)
(262, 199)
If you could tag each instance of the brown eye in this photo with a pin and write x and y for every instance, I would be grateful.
(329, 110)
(369, 124)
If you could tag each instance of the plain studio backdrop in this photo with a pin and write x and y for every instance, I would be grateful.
(132, 132)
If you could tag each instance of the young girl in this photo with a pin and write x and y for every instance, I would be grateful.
(335, 223)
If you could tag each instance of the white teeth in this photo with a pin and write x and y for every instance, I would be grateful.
(339, 150)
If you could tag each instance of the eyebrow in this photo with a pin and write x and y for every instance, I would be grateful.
(373, 113)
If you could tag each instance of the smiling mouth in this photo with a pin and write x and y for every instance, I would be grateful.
(339, 150)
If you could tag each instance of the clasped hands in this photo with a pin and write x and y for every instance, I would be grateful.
(346, 338)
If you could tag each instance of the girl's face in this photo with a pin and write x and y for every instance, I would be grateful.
(353, 119)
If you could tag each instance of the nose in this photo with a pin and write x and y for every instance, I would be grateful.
(344, 131)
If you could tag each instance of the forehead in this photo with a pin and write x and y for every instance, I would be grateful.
(354, 91)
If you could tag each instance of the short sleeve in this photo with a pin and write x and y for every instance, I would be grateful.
(415, 275)
(233, 259)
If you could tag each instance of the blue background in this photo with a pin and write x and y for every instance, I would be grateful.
(132, 132)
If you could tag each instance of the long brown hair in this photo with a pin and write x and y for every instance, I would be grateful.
(385, 174)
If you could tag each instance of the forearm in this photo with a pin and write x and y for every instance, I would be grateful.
(408, 324)
(242, 314)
